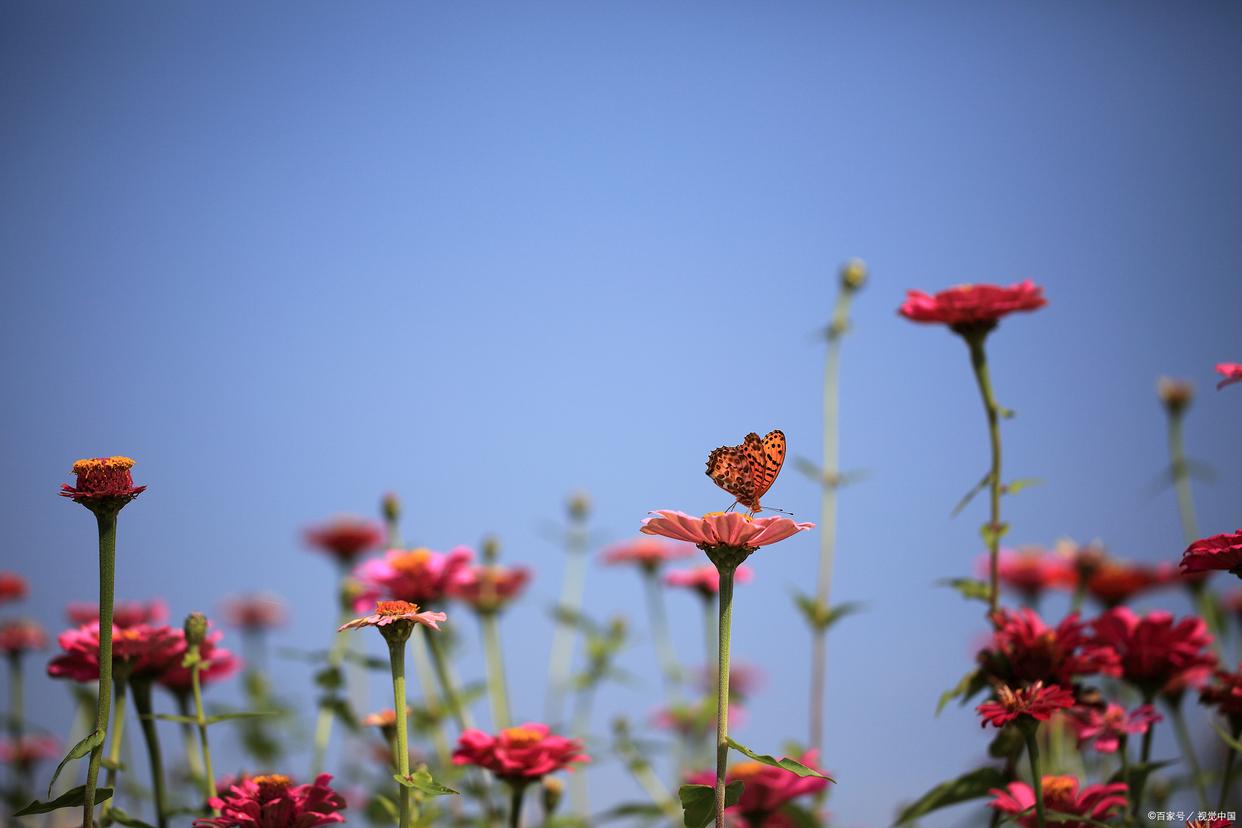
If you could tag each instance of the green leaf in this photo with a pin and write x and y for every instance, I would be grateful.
(241, 714)
(1233, 743)
(420, 780)
(973, 785)
(968, 588)
(170, 717)
(330, 678)
(698, 802)
(820, 616)
(1020, 484)
(970, 684)
(645, 811)
(73, 798)
(992, 534)
(79, 750)
(341, 709)
(970, 495)
(123, 818)
(790, 765)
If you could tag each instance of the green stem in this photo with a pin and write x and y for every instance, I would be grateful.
(431, 697)
(1144, 758)
(640, 769)
(448, 687)
(336, 656)
(1181, 477)
(711, 621)
(572, 590)
(658, 619)
(1228, 771)
(209, 774)
(516, 791)
(17, 718)
(118, 734)
(722, 690)
(1037, 780)
(192, 760)
(979, 361)
(107, 578)
(490, 624)
(142, 705)
(401, 748)
(1188, 752)
(578, 793)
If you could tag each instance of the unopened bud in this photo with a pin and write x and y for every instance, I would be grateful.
(195, 629)
(390, 506)
(491, 549)
(853, 274)
(1176, 394)
(553, 789)
(579, 505)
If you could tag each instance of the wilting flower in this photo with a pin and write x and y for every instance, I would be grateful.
(767, 789)
(1024, 649)
(254, 612)
(12, 587)
(704, 579)
(395, 612)
(1156, 653)
(147, 651)
(518, 754)
(1061, 795)
(1113, 582)
(21, 635)
(1225, 694)
(972, 306)
(345, 538)
(1105, 728)
(417, 575)
(489, 587)
(215, 663)
(29, 751)
(1231, 371)
(103, 483)
(1037, 701)
(648, 553)
(124, 613)
(1031, 571)
(1217, 552)
(273, 801)
(731, 529)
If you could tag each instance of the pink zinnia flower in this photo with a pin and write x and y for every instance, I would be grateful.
(1231, 371)
(731, 529)
(12, 587)
(969, 306)
(21, 635)
(1156, 653)
(1225, 694)
(1061, 794)
(489, 587)
(1217, 552)
(1031, 571)
(103, 483)
(124, 613)
(518, 754)
(695, 720)
(217, 663)
(345, 538)
(648, 553)
(1036, 701)
(392, 612)
(146, 650)
(273, 801)
(744, 680)
(253, 613)
(705, 579)
(767, 789)
(417, 575)
(1024, 649)
(1104, 728)
(29, 751)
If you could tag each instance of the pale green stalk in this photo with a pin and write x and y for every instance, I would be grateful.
(563, 637)
(401, 748)
(722, 690)
(979, 362)
(496, 685)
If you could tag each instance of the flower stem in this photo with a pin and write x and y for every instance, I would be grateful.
(209, 775)
(490, 625)
(142, 705)
(1228, 771)
(711, 620)
(431, 698)
(107, 579)
(1181, 476)
(516, 791)
(658, 619)
(1037, 780)
(1188, 751)
(401, 747)
(17, 717)
(722, 690)
(193, 763)
(979, 361)
(336, 657)
(118, 735)
(448, 687)
(563, 637)
(1144, 758)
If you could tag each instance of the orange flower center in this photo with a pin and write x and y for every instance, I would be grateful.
(411, 562)
(717, 514)
(395, 607)
(92, 465)
(521, 736)
(746, 770)
(272, 785)
(1059, 789)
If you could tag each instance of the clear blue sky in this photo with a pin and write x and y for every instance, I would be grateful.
(290, 256)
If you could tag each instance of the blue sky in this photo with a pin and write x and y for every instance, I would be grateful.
(291, 257)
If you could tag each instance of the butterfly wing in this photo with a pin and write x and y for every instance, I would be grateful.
(766, 457)
(730, 468)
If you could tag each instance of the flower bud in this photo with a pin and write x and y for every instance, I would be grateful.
(553, 789)
(579, 505)
(1176, 394)
(491, 549)
(853, 274)
(390, 507)
(195, 629)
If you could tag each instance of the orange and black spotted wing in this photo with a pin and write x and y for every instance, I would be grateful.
(773, 458)
(730, 469)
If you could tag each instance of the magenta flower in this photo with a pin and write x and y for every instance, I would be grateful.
(731, 529)
(146, 650)
(1231, 371)
(1036, 701)
(345, 538)
(26, 752)
(391, 612)
(273, 801)
(648, 553)
(124, 613)
(972, 305)
(1061, 794)
(1222, 552)
(419, 576)
(13, 587)
(1225, 694)
(21, 635)
(705, 579)
(1105, 728)
(489, 587)
(103, 483)
(217, 663)
(1156, 653)
(254, 612)
(1032, 571)
(1024, 649)
(766, 789)
(518, 754)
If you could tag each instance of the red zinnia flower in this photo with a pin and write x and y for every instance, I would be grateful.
(705, 579)
(1024, 649)
(767, 789)
(28, 751)
(21, 635)
(124, 613)
(1031, 571)
(345, 538)
(1113, 582)
(1156, 653)
(273, 801)
(217, 663)
(255, 612)
(1225, 694)
(12, 587)
(392, 612)
(1231, 371)
(648, 553)
(518, 754)
(489, 587)
(972, 306)
(1217, 552)
(147, 650)
(103, 483)
(417, 575)
(1209, 823)
(731, 529)
(1104, 728)
(1036, 701)
(1061, 794)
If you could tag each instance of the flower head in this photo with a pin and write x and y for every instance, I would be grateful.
(396, 619)
(1176, 394)
(216, 663)
(1225, 694)
(728, 529)
(1231, 371)
(124, 613)
(489, 587)
(972, 307)
(1032, 571)
(1024, 650)
(766, 788)
(1156, 653)
(345, 538)
(704, 579)
(695, 720)
(104, 484)
(1217, 552)
(518, 754)
(12, 587)
(1061, 794)
(1037, 701)
(145, 650)
(253, 612)
(744, 680)
(648, 553)
(273, 801)
(21, 635)
(1105, 728)
(29, 751)
(1113, 582)
(417, 575)
(383, 719)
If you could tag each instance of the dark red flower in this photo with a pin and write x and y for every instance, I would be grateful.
(12, 587)
(1037, 701)
(1032, 571)
(124, 613)
(345, 538)
(217, 663)
(1225, 694)
(767, 789)
(489, 587)
(1113, 582)
(147, 651)
(1024, 650)
(1231, 371)
(1061, 794)
(1222, 552)
(21, 635)
(273, 801)
(253, 612)
(518, 754)
(1156, 653)
(103, 483)
(968, 307)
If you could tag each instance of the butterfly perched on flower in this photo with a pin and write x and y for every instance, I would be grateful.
(747, 471)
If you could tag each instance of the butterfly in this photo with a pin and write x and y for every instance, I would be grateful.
(749, 470)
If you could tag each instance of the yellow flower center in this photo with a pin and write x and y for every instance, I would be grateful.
(395, 607)
(717, 514)
(746, 770)
(1059, 788)
(98, 464)
(272, 785)
(411, 562)
(521, 736)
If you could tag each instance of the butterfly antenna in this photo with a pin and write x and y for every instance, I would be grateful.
(782, 511)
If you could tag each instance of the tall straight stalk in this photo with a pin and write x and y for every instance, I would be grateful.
(118, 734)
(1225, 779)
(106, 521)
(496, 685)
(979, 361)
(572, 590)
(200, 716)
(401, 746)
(1188, 752)
(431, 696)
(1037, 779)
(461, 713)
(336, 657)
(722, 690)
(192, 760)
(17, 716)
(1181, 475)
(142, 705)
